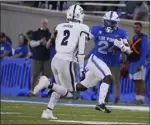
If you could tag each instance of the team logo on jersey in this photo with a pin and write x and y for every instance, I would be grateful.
(100, 32)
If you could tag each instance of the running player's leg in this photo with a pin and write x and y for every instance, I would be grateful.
(67, 78)
(101, 72)
(61, 71)
(45, 83)
(54, 95)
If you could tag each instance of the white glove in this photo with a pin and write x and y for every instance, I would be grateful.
(82, 74)
(126, 49)
(119, 43)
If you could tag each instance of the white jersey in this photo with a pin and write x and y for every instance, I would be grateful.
(67, 39)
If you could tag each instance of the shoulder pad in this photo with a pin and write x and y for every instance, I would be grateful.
(85, 28)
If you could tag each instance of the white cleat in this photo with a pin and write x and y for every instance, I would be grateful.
(48, 115)
(43, 83)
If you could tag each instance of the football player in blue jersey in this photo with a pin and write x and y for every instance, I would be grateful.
(103, 55)
(104, 36)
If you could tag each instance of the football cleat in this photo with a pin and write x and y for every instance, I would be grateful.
(102, 108)
(43, 83)
(48, 115)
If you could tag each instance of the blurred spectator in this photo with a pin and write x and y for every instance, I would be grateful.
(5, 46)
(21, 50)
(29, 35)
(137, 62)
(10, 41)
(41, 55)
(130, 7)
(54, 4)
(57, 5)
(141, 11)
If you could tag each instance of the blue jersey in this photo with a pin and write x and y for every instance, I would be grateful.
(6, 46)
(143, 50)
(104, 44)
(22, 49)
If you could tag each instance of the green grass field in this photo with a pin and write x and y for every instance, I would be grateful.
(27, 113)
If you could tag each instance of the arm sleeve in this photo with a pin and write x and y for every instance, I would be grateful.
(34, 43)
(124, 34)
(144, 50)
(83, 39)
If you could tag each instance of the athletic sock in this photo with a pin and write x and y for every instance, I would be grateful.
(53, 100)
(103, 92)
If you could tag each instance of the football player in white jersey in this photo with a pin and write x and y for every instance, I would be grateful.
(70, 39)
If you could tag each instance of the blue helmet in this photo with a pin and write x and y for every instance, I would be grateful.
(111, 20)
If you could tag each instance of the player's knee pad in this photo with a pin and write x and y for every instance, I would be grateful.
(108, 79)
(80, 87)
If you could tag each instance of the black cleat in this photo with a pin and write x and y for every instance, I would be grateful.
(102, 108)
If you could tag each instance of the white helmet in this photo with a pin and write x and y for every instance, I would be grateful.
(111, 19)
(111, 15)
(75, 13)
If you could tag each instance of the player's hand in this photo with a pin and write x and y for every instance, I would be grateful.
(119, 43)
(82, 74)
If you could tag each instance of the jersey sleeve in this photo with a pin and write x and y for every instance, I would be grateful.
(84, 37)
(86, 30)
(124, 34)
(144, 50)
(93, 31)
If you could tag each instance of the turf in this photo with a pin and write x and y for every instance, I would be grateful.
(30, 114)
(63, 100)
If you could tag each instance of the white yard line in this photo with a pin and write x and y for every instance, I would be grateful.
(135, 108)
(96, 122)
(9, 113)
(121, 107)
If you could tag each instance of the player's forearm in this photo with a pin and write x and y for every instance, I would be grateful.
(81, 61)
(81, 53)
(34, 43)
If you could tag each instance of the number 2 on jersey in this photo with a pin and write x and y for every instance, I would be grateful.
(66, 34)
(104, 47)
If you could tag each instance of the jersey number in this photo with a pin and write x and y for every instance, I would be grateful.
(66, 34)
(104, 45)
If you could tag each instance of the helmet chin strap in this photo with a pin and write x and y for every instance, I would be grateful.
(110, 29)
